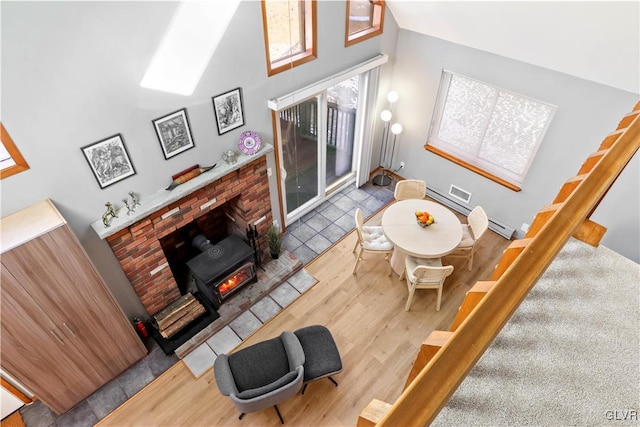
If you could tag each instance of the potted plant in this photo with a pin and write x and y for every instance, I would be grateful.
(274, 241)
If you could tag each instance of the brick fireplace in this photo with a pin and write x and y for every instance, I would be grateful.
(244, 193)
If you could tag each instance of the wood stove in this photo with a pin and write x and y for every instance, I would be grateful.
(222, 269)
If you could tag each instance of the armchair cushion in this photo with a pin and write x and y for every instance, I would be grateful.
(263, 374)
(259, 365)
(254, 392)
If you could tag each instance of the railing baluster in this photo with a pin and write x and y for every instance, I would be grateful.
(373, 413)
(509, 255)
(591, 161)
(541, 218)
(428, 349)
(610, 139)
(471, 300)
(568, 188)
(627, 120)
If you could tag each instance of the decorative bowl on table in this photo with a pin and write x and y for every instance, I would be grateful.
(424, 218)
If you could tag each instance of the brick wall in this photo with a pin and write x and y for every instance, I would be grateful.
(138, 247)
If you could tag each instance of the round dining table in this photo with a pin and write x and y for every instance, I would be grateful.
(400, 226)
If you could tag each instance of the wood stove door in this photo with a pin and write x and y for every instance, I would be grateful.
(234, 281)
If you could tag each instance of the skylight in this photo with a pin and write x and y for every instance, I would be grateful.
(188, 45)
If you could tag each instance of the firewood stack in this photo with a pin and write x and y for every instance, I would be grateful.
(176, 316)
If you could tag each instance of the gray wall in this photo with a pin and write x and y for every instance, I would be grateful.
(70, 77)
(586, 113)
(71, 73)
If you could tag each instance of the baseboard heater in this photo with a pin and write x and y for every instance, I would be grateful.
(495, 225)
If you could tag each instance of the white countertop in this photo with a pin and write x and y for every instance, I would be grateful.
(154, 202)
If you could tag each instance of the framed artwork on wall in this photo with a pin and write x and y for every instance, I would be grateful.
(229, 110)
(109, 160)
(174, 133)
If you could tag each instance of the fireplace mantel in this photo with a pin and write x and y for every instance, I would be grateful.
(239, 192)
(154, 202)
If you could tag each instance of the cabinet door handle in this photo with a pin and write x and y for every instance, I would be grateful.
(69, 329)
(57, 337)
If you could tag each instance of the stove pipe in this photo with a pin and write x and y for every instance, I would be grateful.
(201, 243)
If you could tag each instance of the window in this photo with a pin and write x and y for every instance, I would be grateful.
(289, 33)
(365, 19)
(491, 131)
(11, 161)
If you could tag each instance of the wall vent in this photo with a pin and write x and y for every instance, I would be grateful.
(459, 193)
(498, 226)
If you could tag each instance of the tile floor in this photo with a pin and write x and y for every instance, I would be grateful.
(305, 239)
(273, 274)
(318, 230)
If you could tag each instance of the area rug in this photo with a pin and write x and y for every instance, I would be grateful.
(570, 354)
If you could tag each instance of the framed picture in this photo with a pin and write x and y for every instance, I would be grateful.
(229, 110)
(174, 133)
(109, 160)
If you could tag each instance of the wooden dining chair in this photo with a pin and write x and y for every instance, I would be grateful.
(410, 189)
(477, 224)
(371, 240)
(425, 274)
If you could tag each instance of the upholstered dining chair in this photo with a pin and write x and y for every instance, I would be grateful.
(263, 374)
(371, 240)
(477, 224)
(425, 274)
(410, 189)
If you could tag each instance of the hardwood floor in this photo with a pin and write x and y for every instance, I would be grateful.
(377, 339)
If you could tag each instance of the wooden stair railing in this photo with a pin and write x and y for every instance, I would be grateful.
(446, 357)
(568, 188)
(509, 255)
(375, 410)
(428, 349)
(471, 300)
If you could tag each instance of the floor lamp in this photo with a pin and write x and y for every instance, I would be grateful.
(396, 129)
(382, 179)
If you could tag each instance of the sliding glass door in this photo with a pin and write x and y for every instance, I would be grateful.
(317, 145)
(324, 134)
(300, 154)
(342, 106)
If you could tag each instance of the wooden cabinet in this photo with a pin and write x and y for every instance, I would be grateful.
(62, 334)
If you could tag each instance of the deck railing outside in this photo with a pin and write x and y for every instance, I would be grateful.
(341, 122)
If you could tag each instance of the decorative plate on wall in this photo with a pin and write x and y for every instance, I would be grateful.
(250, 142)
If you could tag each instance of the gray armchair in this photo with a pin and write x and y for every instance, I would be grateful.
(263, 374)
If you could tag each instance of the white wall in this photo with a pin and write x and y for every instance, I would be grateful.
(71, 73)
(586, 113)
(70, 77)
(572, 37)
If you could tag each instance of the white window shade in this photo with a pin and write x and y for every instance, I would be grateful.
(491, 128)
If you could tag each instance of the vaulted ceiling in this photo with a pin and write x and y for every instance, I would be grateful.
(594, 40)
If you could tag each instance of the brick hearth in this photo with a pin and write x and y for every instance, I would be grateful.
(137, 247)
